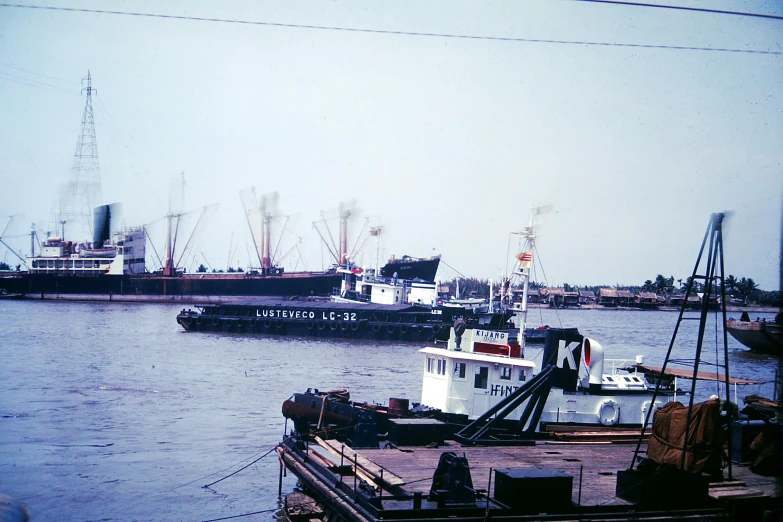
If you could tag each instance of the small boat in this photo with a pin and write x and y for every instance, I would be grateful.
(760, 335)
(4, 294)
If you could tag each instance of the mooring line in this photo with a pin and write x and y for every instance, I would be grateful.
(243, 515)
(245, 467)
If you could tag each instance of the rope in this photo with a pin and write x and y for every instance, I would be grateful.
(242, 515)
(245, 467)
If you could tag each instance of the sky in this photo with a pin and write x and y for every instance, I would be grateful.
(445, 142)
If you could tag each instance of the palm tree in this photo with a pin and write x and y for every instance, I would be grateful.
(660, 284)
(746, 287)
(731, 284)
(648, 286)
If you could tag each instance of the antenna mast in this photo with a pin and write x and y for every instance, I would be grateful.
(83, 191)
(524, 265)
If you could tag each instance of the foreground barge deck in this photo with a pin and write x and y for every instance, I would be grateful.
(395, 484)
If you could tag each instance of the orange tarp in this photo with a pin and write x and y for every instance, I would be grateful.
(705, 437)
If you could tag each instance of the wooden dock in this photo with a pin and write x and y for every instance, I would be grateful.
(401, 479)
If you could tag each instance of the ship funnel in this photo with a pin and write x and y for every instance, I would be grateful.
(106, 217)
(594, 361)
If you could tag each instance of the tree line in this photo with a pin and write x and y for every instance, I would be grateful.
(744, 288)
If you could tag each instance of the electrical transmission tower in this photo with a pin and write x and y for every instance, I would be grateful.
(83, 191)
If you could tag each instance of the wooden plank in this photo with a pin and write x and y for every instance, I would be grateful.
(371, 468)
(732, 493)
(728, 484)
(325, 461)
(688, 374)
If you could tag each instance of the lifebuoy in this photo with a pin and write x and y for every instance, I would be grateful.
(354, 326)
(608, 413)
(391, 328)
(267, 323)
(321, 325)
(343, 326)
(310, 325)
(403, 329)
(376, 327)
(333, 325)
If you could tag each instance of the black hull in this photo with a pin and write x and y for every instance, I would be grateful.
(401, 323)
(323, 330)
(411, 268)
(184, 288)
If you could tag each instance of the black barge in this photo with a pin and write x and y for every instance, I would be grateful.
(326, 319)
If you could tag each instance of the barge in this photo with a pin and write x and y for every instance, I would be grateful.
(347, 320)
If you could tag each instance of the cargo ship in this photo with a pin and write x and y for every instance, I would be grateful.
(116, 271)
(112, 267)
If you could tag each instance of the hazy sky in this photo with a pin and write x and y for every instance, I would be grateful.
(447, 142)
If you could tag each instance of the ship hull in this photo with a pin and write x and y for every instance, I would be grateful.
(401, 323)
(412, 268)
(190, 288)
(758, 336)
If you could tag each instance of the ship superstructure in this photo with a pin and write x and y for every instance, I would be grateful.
(124, 254)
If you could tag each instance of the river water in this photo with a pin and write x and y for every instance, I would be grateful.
(112, 412)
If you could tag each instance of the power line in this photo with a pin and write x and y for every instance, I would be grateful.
(683, 8)
(70, 82)
(32, 83)
(390, 32)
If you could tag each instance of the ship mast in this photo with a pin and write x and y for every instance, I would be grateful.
(168, 268)
(266, 235)
(376, 231)
(345, 213)
(523, 267)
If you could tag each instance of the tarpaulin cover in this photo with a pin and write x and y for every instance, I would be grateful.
(705, 437)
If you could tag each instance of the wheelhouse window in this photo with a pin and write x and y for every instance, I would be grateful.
(481, 378)
(505, 373)
(522, 375)
(437, 366)
(459, 370)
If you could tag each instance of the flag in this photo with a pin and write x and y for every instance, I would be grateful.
(525, 259)
(375, 231)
